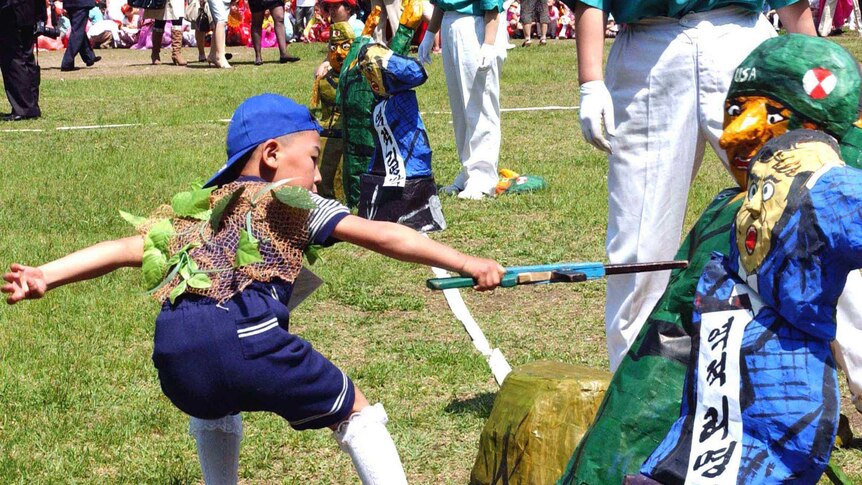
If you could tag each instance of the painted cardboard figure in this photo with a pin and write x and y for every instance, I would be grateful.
(761, 399)
(644, 396)
(356, 99)
(326, 110)
(399, 186)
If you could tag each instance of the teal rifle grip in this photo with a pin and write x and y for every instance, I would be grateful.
(509, 280)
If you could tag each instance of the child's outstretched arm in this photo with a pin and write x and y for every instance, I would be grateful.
(27, 282)
(405, 244)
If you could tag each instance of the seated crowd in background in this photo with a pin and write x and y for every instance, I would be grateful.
(115, 24)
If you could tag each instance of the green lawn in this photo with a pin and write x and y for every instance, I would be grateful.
(79, 397)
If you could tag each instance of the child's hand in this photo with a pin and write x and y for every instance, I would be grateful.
(24, 283)
(486, 272)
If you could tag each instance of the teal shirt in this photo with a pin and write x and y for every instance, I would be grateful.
(472, 7)
(634, 10)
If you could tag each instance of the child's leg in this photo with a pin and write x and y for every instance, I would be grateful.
(218, 443)
(364, 437)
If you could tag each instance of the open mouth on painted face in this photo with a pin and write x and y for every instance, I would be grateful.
(740, 163)
(750, 239)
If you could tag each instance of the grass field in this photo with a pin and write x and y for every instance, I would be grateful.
(79, 397)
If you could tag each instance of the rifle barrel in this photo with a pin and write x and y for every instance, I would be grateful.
(612, 269)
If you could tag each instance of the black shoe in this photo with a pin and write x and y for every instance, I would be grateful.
(14, 117)
(288, 59)
(258, 62)
(67, 68)
(95, 60)
(228, 56)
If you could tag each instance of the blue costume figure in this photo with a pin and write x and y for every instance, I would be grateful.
(399, 186)
(760, 402)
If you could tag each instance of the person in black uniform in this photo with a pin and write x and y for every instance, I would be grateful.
(20, 72)
(78, 11)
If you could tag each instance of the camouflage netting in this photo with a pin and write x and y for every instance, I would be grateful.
(282, 232)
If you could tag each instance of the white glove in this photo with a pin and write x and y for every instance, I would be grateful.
(487, 53)
(425, 48)
(596, 104)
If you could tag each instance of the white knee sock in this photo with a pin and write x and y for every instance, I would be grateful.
(218, 443)
(364, 437)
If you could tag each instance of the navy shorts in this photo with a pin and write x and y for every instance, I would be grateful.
(239, 356)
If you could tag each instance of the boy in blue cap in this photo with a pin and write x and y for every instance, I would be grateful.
(223, 264)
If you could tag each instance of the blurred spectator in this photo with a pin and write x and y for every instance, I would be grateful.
(530, 11)
(78, 12)
(553, 17)
(304, 13)
(566, 23)
(129, 26)
(172, 12)
(259, 8)
(17, 64)
(513, 18)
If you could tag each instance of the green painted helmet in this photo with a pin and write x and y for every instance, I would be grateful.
(341, 32)
(816, 79)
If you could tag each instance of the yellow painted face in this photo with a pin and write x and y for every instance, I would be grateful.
(340, 40)
(769, 184)
(749, 122)
(376, 57)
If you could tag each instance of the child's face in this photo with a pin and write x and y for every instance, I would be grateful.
(297, 159)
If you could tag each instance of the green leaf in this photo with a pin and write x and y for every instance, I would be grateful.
(221, 205)
(248, 250)
(200, 281)
(153, 267)
(197, 185)
(185, 272)
(296, 197)
(312, 254)
(194, 203)
(179, 290)
(159, 235)
(132, 219)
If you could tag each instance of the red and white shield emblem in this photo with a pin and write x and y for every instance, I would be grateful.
(819, 82)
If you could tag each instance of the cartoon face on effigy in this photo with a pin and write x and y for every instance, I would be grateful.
(399, 186)
(789, 82)
(340, 39)
(770, 185)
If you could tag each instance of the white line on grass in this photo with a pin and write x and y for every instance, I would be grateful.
(227, 120)
(97, 127)
(513, 110)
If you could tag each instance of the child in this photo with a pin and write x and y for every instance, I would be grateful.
(222, 344)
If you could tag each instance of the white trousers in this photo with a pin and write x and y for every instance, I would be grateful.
(474, 98)
(668, 79)
(846, 347)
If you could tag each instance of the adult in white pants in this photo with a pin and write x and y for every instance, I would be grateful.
(473, 52)
(667, 78)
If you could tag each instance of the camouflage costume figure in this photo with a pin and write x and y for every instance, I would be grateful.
(327, 111)
(399, 186)
(356, 99)
(643, 398)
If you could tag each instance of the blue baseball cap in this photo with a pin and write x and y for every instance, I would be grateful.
(256, 120)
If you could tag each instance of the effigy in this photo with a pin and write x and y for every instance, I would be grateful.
(775, 89)
(326, 110)
(399, 185)
(356, 99)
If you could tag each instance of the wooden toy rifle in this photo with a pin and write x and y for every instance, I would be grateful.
(557, 273)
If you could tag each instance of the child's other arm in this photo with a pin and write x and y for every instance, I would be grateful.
(27, 282)
(405, 244)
